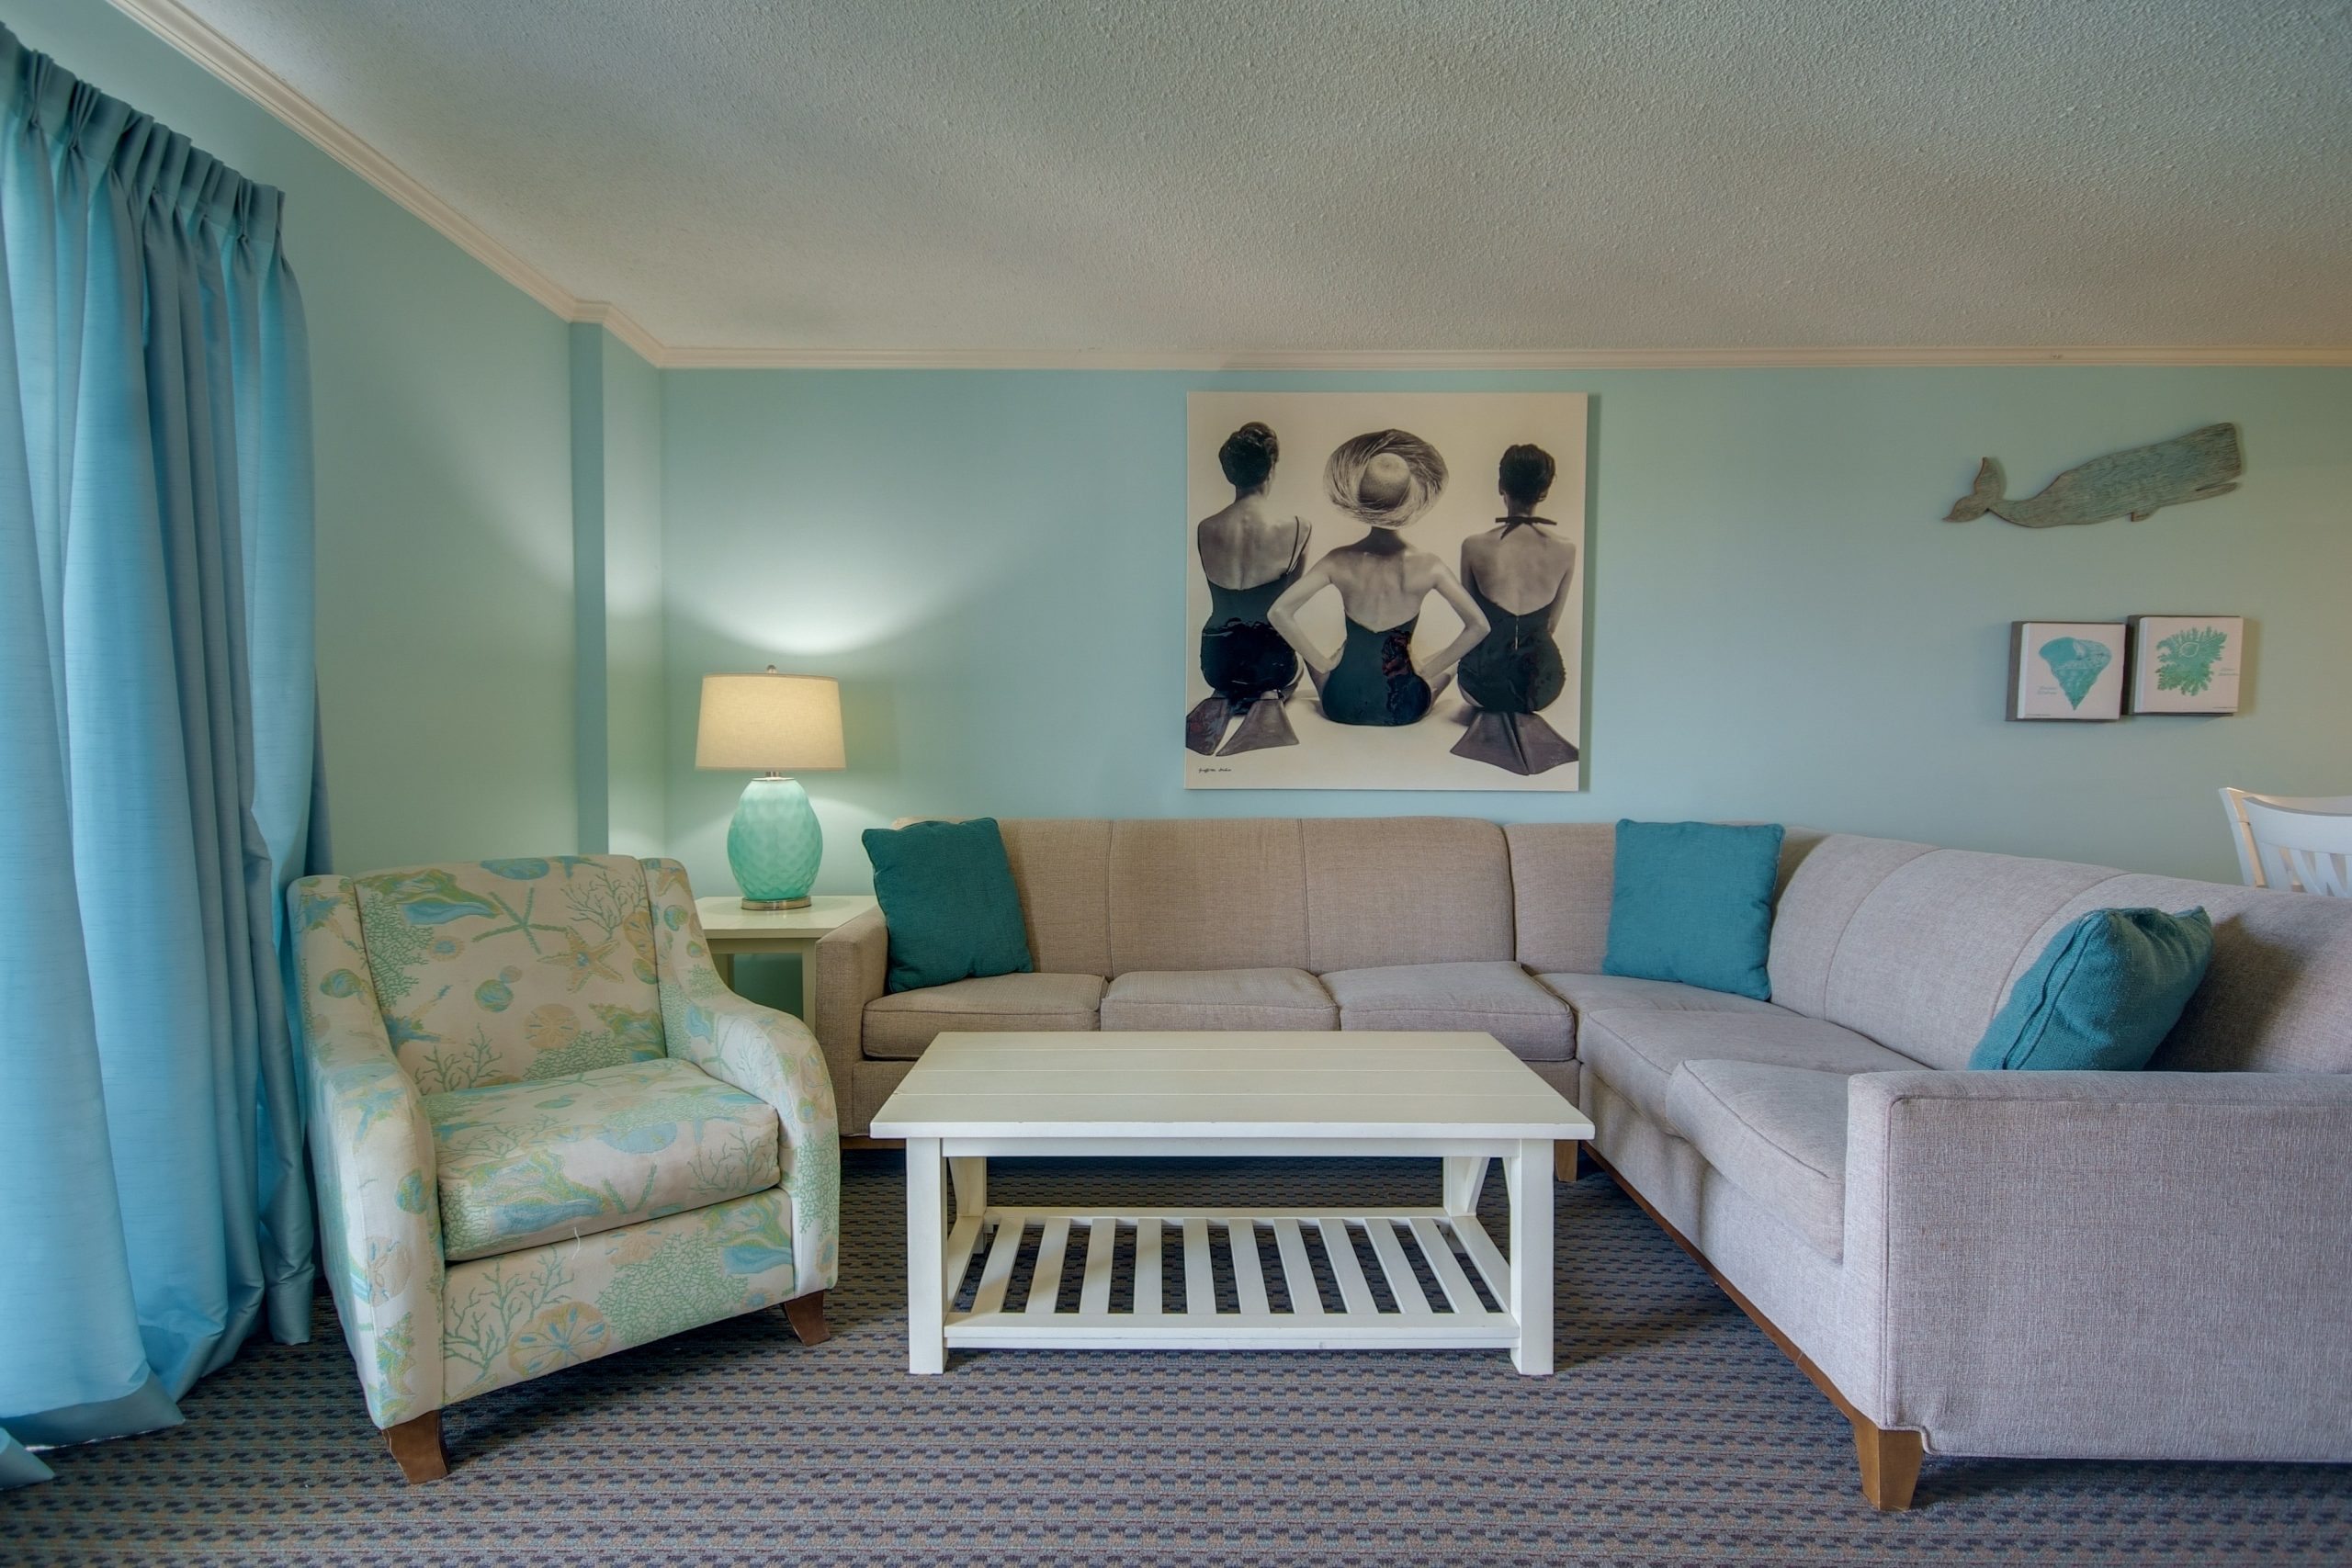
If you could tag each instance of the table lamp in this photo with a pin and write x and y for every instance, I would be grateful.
(772, 723)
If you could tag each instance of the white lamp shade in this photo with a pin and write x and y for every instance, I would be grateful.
(770, 723)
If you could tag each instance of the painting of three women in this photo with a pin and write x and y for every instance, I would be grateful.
(1386, 591)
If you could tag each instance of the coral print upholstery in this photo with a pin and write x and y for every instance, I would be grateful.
(543, 1128)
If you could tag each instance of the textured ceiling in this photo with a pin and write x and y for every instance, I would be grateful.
(1197, 177)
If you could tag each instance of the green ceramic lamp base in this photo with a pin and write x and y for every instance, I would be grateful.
(773, 844)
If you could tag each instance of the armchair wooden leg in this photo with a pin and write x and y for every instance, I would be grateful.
(806, 1315)
(1567, 1159)
(416, 1444)
(1889, 1464)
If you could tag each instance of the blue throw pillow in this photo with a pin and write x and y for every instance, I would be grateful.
(947, 896)
(2103, 995)
(1693, 903)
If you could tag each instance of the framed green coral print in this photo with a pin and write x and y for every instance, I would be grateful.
(2066, 669)
(2187, 663)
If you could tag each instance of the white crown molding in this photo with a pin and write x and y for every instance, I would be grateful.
(192, 36)
(197, 39)
(622, 325)
(1891, 358)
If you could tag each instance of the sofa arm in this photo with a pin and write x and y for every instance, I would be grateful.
(852, 969)
(371, 1150)
(761, 1051)
(2102, 1265)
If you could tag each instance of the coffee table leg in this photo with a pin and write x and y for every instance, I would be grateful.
(1529, 1173)
(926, 1242)
(970, 1175)
(1465, 1177)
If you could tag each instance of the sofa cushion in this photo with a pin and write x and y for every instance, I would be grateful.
(1635, 1050)
(901, 1026)
(1692, 901)
(1777, 1133)
(947, 893)
(1218, 999)
(1207, 893)
(1823, 881)
(2103, 995)
(1560, 881)
(498, 970)
(1062, 867)
(522, 1164)
(1390, 890)
(1500, 998)
(2278, 996)
(1926, 959)
(1595, 993)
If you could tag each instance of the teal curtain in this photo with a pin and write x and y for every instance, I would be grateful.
(157, 765)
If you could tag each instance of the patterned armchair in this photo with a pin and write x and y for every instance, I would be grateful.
(544, 1131)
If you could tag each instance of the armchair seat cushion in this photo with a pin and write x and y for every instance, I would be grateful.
(901, 1026)
(523, 1164)
(1499, 997)
(1777, 1133)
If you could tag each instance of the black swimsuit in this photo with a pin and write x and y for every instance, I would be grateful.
(1515, 671)
(1242, 656)
(1516, 668)
(1375, 682)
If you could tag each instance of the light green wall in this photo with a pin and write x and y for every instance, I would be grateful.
(637, 779)
(615, 596)
(1781, 628)
(992, 562)
(444, 521)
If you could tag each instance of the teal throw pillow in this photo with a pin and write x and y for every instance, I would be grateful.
(2103, 995)
(1693, 903)
(947, 896)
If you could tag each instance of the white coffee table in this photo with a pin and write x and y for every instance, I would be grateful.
(1461, 1097)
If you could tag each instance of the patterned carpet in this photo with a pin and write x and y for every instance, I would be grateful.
(1672, 1435)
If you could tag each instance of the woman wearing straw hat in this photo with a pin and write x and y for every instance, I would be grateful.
(1385, 478)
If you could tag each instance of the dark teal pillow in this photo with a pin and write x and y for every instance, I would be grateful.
(2103, 995)
(1693, 903)
(947, 896)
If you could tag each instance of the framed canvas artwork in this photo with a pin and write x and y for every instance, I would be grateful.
(2066, 669)
(2187, 663)
(1385, 591)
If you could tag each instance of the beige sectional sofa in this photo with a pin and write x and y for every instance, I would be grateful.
(2151, 1264)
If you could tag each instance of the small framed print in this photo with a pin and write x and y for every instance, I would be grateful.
(2187, 663)
(2066, 669)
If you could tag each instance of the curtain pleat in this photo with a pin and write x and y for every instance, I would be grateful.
(155, 487)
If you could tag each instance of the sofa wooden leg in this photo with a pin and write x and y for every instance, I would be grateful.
(1568, 1160)
(806, 1315)
(1889, 1464)
(416, 1444)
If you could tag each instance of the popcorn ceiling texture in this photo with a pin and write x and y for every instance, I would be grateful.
(1145, 176)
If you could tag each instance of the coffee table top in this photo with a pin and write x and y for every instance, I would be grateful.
(1225, 1084)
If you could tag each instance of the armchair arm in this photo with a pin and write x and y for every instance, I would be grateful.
(762, 1052)
(2094, 1264)
(371, 1150)
(852, 964)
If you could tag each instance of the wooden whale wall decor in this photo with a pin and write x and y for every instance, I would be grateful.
(2132, 483)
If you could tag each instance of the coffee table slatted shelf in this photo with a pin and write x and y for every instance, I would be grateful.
(1413, 1277)
(1246, 1251)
